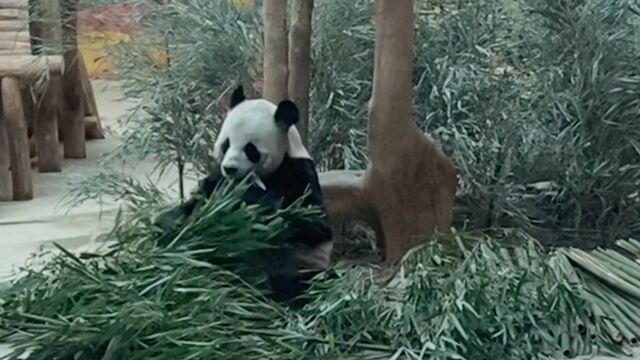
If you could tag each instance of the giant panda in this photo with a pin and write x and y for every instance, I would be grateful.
(259, 138)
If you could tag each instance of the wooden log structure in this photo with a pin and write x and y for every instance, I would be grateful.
(35, 118)
(300, 61)
(93, 125)
(16, 128)
(72, 91)
(44, 31)
(5, 163)
(29, 67)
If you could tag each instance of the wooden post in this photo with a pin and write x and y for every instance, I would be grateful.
(74, 123)
(46, 134)
(300, 62)
(45, 34)
(16, 129)
(276, 72)
(93, 126)
(5, 162)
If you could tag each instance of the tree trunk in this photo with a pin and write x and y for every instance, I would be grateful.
(407, 193)
(74, 124)
(300, 61)
(16, 129)
(276, 70)
(391, 101)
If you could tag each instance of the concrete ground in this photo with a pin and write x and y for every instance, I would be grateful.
(26, 227)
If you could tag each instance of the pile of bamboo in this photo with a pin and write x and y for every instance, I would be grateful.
(612, 282)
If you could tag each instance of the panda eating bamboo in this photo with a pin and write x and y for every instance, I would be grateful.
(258, 137)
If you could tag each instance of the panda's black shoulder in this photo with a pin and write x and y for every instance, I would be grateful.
(292, 179)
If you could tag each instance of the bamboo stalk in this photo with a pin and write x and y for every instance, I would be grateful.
(624, 316)
(629, 246)
(615, 268)
(585, 261)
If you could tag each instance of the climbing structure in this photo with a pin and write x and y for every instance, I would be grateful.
(38, 63)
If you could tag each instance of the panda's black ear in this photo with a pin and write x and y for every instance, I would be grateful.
(287, 114)
(237, 96)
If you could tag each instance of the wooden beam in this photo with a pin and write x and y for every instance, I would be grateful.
(14, 4)
(20, 52)
(21, 36)
(93, 129)
(13, 44)
(30, 67)
(90, 106)
(46, 127)
(28, 106)
(14, 14)
(5, 164)
(18, 142)
(74, 123)
(14, 25)
(45, 22)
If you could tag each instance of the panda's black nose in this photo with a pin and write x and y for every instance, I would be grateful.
(230, 170)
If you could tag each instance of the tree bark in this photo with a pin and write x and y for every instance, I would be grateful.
(74, 123)
(16, 129)
(391, 101)
(276, 70)
(300, 61)
(407, 193)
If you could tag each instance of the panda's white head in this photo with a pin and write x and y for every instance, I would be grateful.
(256, 135)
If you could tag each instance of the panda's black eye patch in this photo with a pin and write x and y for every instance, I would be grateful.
(225, 146)
(252, 153)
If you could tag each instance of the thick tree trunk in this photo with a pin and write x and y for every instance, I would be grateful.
(391, 101)
(74, 123)
(16, 128)
(300, 61)
(276, 71)
(408, 191)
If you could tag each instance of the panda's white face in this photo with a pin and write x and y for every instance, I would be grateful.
(254, 136)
